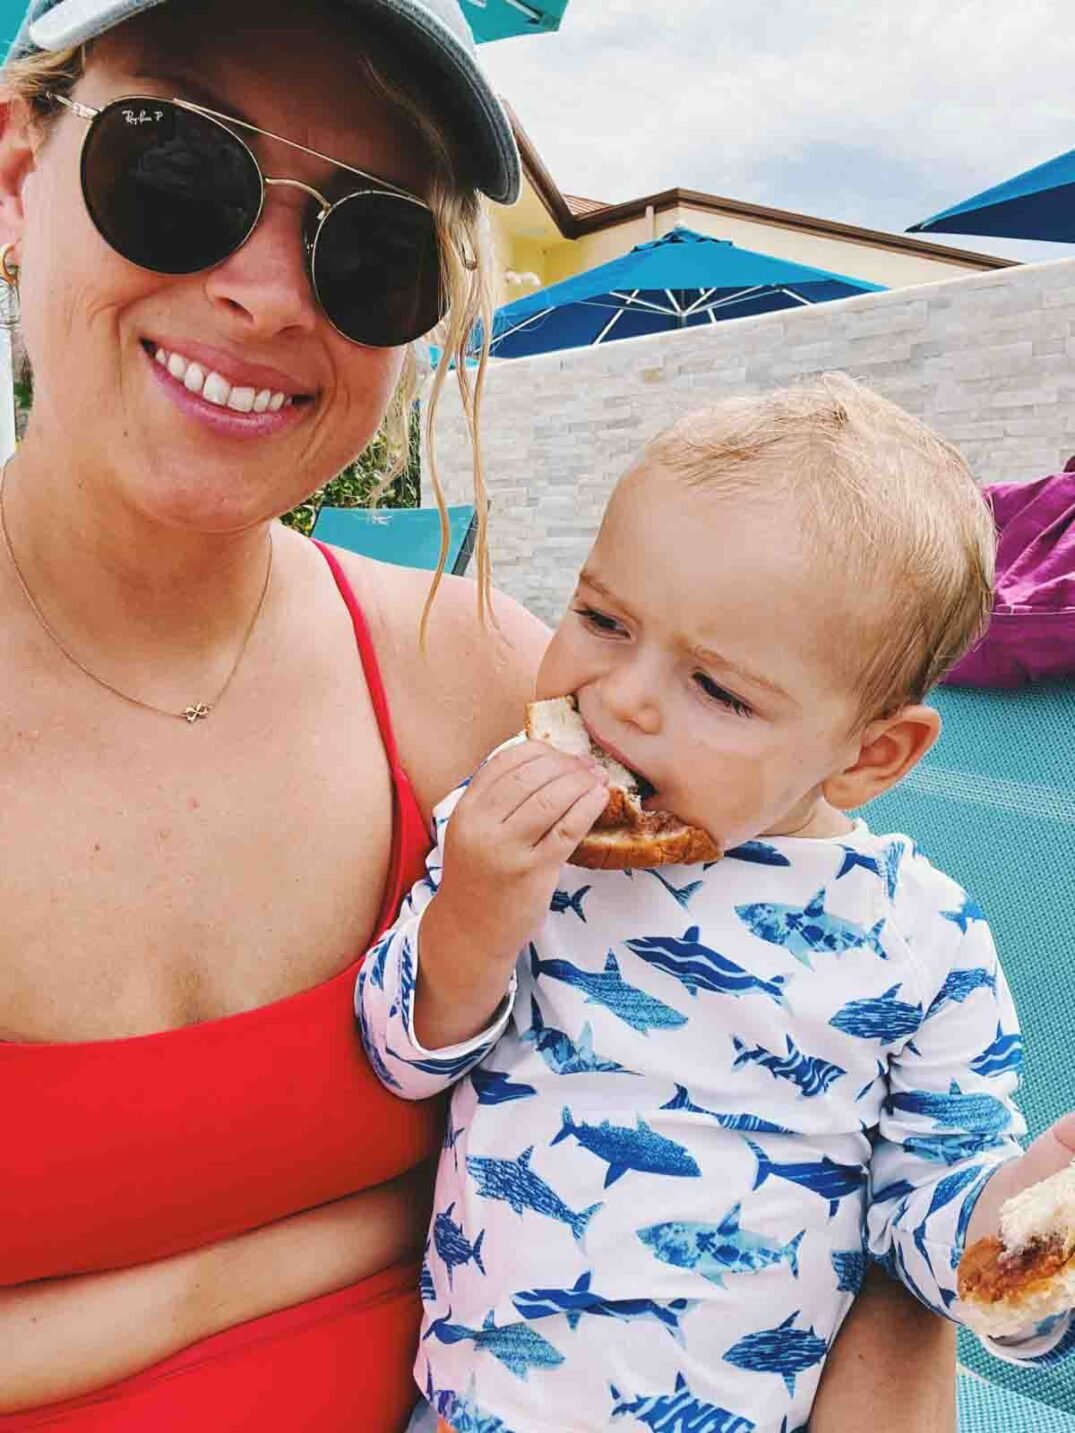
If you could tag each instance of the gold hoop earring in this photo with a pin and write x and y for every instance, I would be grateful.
(9, 271)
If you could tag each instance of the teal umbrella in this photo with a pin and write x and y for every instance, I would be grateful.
(500, 19)
(683, 280)
(1037, 204)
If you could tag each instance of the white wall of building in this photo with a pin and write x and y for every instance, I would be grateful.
(987, 360)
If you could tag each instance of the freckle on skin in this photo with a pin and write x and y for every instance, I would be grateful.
(194, 804)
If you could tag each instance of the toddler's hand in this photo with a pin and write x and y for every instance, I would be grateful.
(524, 813)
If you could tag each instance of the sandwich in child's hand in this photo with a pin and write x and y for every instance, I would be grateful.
(1013, 1282)
(624, 835)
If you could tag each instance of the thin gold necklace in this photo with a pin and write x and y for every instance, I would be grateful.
(196, 711)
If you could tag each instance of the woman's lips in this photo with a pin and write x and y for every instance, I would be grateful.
(255, 419)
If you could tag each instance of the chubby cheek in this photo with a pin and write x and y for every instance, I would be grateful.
(563, 669)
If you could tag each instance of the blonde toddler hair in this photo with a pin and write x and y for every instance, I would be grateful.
(887, 506)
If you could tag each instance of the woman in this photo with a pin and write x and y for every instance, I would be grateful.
(210, 1212)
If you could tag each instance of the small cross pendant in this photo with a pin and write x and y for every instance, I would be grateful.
(198, 712)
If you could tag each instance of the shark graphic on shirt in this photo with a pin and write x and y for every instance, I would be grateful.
(562, 1055)
(494, 1087)
(823, 1177)
(810, 1074)
(581, 1299)
(1003, 1055)
(683, 895)
(785, 1351)
(519, 1347)
(678, 1412)
(513, 1182)
(959, 985)
(699, 967)
(642, 1012)
(453, 1246)
(968, 913)
(805, 931)
(563, 901)
(756, 853)
(717, 1250)
(849, 1266)
(975, 1113)
(623, 1148)
(879, 1017)
(742, 1123)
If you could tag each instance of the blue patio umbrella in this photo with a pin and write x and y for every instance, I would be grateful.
(1037, 204)
(683, 280)
(501, 19)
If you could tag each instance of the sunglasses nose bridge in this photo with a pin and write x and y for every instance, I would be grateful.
(306, 189)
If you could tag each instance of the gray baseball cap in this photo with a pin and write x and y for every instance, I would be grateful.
(435, 29)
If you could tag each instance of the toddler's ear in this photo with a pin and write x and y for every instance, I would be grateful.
(885, 752)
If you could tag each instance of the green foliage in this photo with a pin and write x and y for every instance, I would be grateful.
(357, 486)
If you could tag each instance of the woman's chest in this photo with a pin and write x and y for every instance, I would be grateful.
(146, 885)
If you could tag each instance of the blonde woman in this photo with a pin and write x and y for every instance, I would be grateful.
(225, 224)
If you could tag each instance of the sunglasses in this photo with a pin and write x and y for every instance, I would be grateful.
(171, 188)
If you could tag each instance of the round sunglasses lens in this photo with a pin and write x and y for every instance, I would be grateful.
(169, 189)
(376, 269)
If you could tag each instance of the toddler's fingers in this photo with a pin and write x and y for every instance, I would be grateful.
(580, 809)
(517, 787)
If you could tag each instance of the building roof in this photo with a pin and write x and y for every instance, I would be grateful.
(576, 217)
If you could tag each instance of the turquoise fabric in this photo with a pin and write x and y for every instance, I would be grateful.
(986, 1408)
(994, 805)
(408, 537)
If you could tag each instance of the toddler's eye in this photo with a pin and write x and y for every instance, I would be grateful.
(717, 693)
(600, 621)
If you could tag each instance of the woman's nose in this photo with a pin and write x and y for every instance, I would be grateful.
(265, 284)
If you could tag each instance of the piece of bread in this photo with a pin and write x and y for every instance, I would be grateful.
(624, 836)
(1011, 1282)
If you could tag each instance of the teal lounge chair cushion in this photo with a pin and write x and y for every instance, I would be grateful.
(994, 805)
(987, 1408)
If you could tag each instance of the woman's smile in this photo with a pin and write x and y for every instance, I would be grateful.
(233, 398)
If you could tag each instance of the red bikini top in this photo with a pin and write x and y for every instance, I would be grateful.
(116, 1152)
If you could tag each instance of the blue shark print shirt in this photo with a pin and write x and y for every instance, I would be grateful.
(709, 1092)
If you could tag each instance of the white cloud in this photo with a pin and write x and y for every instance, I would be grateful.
(877, 112)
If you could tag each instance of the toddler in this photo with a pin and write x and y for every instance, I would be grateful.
(690, 1101)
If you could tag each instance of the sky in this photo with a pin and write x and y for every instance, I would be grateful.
(873, 112)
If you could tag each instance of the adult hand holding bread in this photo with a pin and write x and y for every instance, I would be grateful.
(523, 814)
(1019, 1264)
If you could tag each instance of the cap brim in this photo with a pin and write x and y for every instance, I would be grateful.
(478, 120)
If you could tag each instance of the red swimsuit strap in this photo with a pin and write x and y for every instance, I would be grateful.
(410, 836)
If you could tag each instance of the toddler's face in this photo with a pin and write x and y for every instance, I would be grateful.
(700, 642)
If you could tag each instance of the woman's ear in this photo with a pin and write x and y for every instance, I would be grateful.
(886, 751)
(18, 144)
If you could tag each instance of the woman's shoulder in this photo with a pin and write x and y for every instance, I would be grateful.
(461, 692)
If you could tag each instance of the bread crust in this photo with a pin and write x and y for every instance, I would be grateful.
(625, 837)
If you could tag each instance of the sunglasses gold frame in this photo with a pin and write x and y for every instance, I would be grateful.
(383, 187)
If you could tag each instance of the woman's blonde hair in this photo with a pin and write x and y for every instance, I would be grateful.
(892, 514)
(466, 260)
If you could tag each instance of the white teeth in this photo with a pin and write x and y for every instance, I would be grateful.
(216, 389)
(242, 399)
(195, 378)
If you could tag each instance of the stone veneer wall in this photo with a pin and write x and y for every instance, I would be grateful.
(987, 360)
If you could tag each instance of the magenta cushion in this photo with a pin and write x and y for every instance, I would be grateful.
(1031, 636)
